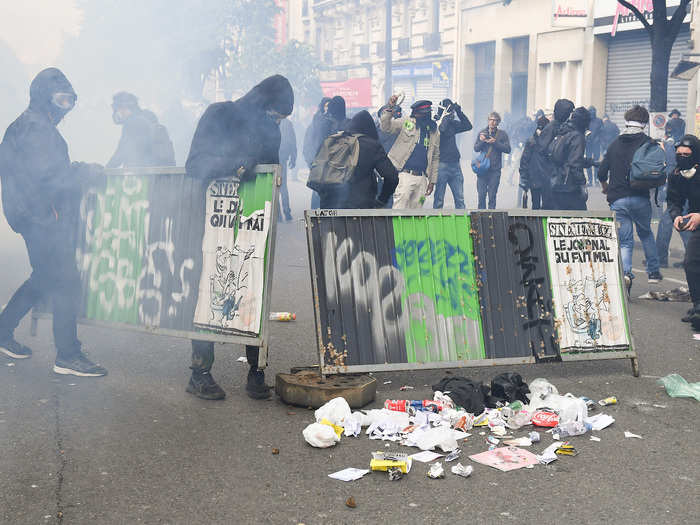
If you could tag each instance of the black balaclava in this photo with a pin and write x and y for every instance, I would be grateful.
(562, 109)
(421, 110)
(687, 163)
(45, 85)
(542, 122)
(123, 99)
(580, 119)
(336, 108)
(592, 111)
(362, 123)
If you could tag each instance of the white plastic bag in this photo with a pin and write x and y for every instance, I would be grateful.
(320, 436)
(540, 387)
(335, 411)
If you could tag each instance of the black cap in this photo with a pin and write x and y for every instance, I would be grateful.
(674, 112)
(421, 104)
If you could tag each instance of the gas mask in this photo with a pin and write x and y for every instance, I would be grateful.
(61, 104)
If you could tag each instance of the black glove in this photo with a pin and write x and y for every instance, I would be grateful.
(457, 107)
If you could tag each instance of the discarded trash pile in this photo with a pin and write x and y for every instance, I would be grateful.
(463, 408)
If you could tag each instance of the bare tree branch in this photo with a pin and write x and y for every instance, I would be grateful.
(674, 25)
(640, 16)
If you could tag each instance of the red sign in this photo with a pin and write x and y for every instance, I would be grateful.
(357, 92)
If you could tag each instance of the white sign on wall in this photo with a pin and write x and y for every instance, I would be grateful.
(586, 287)
(569, 13)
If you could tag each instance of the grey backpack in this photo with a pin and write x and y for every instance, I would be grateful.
(335, 163)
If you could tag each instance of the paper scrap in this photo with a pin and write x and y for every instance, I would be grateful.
(599, 421)
(549, 454)
(630, 435)
(387, 382)
(519, 442)
(506, 458)
(242, 359)
(348, 474)
(595, 438)
(696, 337)
(426, 456)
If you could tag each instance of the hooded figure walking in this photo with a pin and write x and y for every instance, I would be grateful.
(41, 194)
(231, 139)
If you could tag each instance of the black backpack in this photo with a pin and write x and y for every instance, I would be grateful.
(466, 393)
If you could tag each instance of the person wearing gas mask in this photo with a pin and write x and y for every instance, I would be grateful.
(632, 207)
(231, 139)
(449, 169)
(495, 143)
(684, 190)
(415, 154)
(566, 153)
(41, 194)
(144, 141)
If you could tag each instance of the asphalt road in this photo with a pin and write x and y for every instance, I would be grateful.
(135, 448)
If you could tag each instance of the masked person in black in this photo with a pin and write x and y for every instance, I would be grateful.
(449, 169)
(144, 141)
(41, 194)
(231, 139)
(567, 153)
(684, 189)
(532, 173)
(562, 110)
(361, 190)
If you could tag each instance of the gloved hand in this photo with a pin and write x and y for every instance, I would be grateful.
(457, 107)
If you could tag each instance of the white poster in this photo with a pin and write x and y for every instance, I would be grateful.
(586, 284)
(233, 264)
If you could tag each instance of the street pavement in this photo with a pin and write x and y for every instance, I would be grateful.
(133, 447)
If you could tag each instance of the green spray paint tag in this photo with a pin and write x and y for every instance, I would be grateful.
(426, 141)
(409, 125)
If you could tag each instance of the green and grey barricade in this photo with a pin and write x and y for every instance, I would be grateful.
(413, 289)
(164, 253)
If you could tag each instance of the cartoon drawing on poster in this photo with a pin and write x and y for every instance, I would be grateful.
(233, 265)
(588, 306)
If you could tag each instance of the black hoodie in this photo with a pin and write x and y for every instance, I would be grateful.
(616, 166)
(682, 190)
(238, 134)
(360, 192)
(39, 187)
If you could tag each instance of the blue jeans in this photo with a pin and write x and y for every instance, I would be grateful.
(631, 212)
(664, 233)
(449, 173)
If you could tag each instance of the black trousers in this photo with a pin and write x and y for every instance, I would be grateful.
(203, 355)
(55, 276)
(487, 185)
(692, 266)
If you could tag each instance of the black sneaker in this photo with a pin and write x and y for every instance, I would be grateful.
(688, 316)
(628, 282)
(256, 387)
(655, 278)
(203, 386)
(78, 365)
(13, 349)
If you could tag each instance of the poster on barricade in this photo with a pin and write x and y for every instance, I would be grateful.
(584, 269)
(233, 262)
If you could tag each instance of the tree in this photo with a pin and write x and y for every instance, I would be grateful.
(662, 34)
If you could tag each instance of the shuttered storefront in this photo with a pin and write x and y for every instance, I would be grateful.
(629, 68)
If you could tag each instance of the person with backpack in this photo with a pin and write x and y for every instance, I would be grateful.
(619, 174)
(567, 154)
(231, 139)
(144, 141)
(415, 154)
(684, 191)
(491, 143)
(344, 170)
(541, 165)
(449, 169)
(41, 196)
(532, 173)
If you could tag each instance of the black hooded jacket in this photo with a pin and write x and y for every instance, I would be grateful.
(39, 185)
(238, 134)
(568, 170)
(615, 168)
(449, 128)
(682, 190)
(360, 192)
(144, 142)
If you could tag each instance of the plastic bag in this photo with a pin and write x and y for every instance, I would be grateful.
(676, 386)
(320, 436)
(335, 411)
(540, 387)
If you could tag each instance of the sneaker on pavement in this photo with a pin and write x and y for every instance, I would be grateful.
(78, 365)
(655, 278)
(203, 386)
(256, 387)
(688, 316)
(628, 282)
(15, 350)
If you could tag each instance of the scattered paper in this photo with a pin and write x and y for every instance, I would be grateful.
(461, 470)
(549, 454)
(242, 359)
(595, 438)
(630, 435)
(406, 387)
(506, 458)
(426, 456)
(599, 421)
(348, 474)
(519, 442)
(387, 382)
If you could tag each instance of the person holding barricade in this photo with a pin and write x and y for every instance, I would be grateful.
(230, 140)
(41, 195)
(415, 154)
